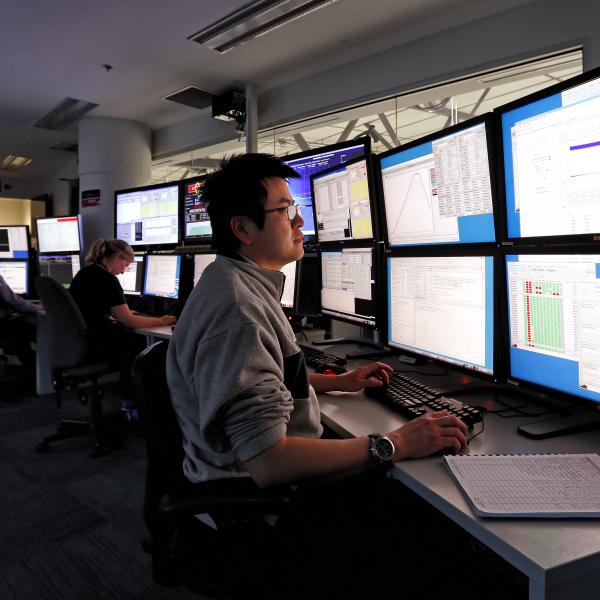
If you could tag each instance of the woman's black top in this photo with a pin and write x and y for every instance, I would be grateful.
(95, 291)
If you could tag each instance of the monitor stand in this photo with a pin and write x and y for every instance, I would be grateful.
(582, 420)
(377, 349)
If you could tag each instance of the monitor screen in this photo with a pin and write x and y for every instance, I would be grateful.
(342, 202)
(61, 267)
(442, 307)
(348, 286)
(289, 288)
(438, 190)
(201, 261)
(162, 275)
(59, 234)
(313, 161)
(15, 274)
(148, 216)
(196, 220)
(554, 319)
(551, 155)
(308, 301)
(14, 241)
(132, 279)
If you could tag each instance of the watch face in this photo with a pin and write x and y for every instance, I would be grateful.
(384, 448)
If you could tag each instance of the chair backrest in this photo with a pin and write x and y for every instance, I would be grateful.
(164, 448)
(66, 326)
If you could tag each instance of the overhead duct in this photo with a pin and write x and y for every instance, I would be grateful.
(65, 113)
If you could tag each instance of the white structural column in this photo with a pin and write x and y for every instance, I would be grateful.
(113, 154)
(251, 119)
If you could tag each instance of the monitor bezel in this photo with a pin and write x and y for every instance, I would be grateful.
(28, 234)
(524, 385)
(149, 248)
(488, 121)
(27, 264)
(499, 364)
(147, 261)
(376, 288)
(498, 113)
(369, 162)
(79, 231)
(364, 140)
(191, 239)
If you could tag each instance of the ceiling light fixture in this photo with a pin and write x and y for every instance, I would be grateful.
(12, 162)
(254, 20)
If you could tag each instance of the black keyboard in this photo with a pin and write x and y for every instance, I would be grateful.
(317, 358)
(412, 399)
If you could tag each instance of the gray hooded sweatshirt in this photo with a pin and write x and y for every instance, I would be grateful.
(237, 377)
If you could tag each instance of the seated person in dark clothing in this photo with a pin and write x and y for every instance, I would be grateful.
(100, 298)
(17, 325)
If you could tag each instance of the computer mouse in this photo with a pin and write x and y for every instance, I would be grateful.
(330, 369)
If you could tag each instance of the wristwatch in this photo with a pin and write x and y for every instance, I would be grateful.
(381, 448)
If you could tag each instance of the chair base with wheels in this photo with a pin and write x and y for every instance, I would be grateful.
(71, 365)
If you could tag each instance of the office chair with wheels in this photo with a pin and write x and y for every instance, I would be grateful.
(228, 561)
(71, 364)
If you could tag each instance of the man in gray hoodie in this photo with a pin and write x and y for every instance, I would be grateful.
(247, 406)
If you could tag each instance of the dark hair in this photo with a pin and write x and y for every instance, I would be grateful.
(102, 249)
(237, 189)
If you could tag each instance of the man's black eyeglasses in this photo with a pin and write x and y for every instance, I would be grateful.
(292, 210)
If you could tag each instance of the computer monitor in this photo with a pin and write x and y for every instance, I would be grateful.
(132, 280)
(551, 153)
(312, 161)
(61, 267)
(288, 298)
(161, 277)
(308, 287)
(349, 286)
(16, 275)
(440, 189)
(201, 261)
(59, 234)
(343, 202)
(554, 319)
(14, 241)
(196, 222)
(442, 307)
(148, 216)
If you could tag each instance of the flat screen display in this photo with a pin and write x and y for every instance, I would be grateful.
(162, 275)
(551, 149)
(442, 307)
(439, 191)
(288, 297)
(132, 279)
(197, 225)
(61, 267)
(348, 285)
(554, 320)
(59, 234)
(148, 216)
(14, 241)
(342, 203)
(201, 261)
(15, 274)
(313, 161)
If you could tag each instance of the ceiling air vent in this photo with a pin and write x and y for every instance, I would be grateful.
(253, 20)
(191, 96)
(66, 112)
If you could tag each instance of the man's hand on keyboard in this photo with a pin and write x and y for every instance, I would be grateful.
(373, 375)
(428, 434)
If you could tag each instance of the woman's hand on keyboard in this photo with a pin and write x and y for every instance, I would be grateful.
(372, 375)
(428, 434)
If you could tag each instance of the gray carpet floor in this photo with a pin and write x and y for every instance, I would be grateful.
(71, 525)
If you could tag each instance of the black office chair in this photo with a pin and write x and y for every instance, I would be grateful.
(71, 364)
(229, 561)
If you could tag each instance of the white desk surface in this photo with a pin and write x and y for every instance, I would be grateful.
(161, 331)
(561, 557)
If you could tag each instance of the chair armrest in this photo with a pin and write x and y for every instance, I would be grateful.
(237, 495)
